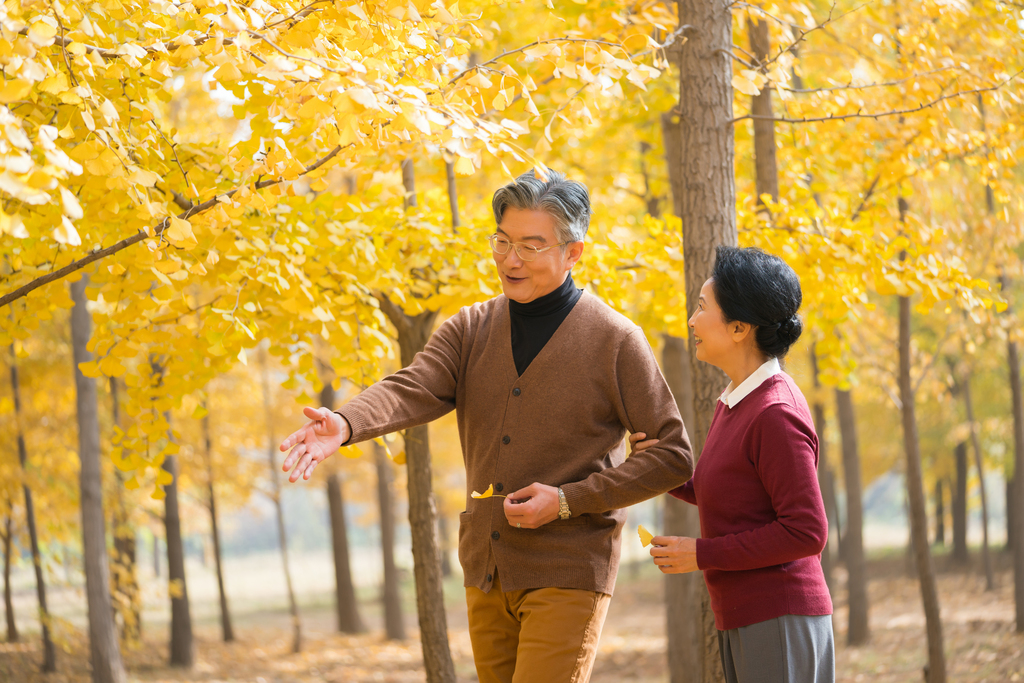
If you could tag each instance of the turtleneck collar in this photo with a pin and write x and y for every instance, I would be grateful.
(552, 302)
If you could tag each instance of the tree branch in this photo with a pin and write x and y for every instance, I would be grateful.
(158, 230)
(878, 115)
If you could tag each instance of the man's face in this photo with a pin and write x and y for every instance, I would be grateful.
(524, 281)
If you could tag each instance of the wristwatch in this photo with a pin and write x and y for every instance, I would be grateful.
(563, 505)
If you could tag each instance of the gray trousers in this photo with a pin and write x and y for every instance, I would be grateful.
(788, 649)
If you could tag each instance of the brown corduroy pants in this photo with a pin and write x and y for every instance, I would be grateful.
(542, 634)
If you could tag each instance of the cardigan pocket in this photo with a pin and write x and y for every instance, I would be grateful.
(465, 522)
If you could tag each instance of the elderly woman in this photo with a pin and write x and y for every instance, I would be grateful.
(762, 520)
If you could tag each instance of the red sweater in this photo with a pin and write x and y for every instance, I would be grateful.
(761, 515)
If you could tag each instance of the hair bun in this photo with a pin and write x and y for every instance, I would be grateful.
(789, 330)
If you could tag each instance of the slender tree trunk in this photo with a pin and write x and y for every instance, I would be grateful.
(394, 624)
(767, 174)
(976, 447)
(127, 597)
(106, 654)
(1010, 503)
(1015, 511)
(226, 630)
(349, 620)
(444, 536)
(182, 645)
(936, 671)
(49, 651)
(12, 626)
(940, 515)
(453, 193)
(707, 192)
(826, 480)
(960, 555)
(684, 620)
(857, 583)
(413, 333)
(156, 556)
(275, 494)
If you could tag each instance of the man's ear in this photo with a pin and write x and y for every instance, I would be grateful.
(575, 252)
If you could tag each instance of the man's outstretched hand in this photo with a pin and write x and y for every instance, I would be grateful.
(320, 438)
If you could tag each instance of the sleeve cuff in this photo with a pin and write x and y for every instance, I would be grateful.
(351, 428)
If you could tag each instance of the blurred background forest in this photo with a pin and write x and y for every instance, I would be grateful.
(216, 213)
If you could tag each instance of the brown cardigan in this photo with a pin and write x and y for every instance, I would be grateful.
(561, 423)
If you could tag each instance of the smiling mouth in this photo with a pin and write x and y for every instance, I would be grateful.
(696, 339)
(514, 279)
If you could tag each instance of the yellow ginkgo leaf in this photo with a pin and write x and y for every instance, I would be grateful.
(645, 536)
(486, 494)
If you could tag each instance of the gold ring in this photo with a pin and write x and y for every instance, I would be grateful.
(519, 525)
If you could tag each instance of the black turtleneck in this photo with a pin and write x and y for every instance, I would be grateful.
(533, 323)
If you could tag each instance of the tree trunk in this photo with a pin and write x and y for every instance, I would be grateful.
(444, 540)
(976, 447)
(453, 193)
(1016, 510)
(182, 646)
(275, 495)
(105, 652)
(413, 333)
(12, 626)
(960, 555)
(1010, 503)
(49, 651)
(127, 598)
(226, 630)
(936, 671)
(826, 480)
(857, 583)
(682, 598)
(156, 556)
(349, 620)
(394, 625)
(767, 175)
(705, 185)
(940, 515)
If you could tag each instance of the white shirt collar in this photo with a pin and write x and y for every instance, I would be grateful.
(731, 396)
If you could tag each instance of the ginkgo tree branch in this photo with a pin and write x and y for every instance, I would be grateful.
(877, 115)
(157, 230)
(867, 86)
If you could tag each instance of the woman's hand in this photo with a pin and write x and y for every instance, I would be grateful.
(675, 554)
(636, 443)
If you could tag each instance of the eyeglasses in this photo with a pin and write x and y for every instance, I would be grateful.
(527, 252)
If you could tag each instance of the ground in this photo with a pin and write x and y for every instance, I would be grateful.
(981, 643)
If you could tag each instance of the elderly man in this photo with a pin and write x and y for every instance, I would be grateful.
(546, 380)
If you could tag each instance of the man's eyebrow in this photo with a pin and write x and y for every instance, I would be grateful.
(538, 238)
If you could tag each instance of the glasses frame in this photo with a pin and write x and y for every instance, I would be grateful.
(533, 251)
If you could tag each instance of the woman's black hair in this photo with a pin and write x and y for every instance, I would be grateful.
(754, 287)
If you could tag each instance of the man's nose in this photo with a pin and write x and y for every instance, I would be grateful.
(513, 258)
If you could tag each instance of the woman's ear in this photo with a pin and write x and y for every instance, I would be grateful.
(740, 330)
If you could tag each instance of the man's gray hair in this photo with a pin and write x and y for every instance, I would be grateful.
(567, 201)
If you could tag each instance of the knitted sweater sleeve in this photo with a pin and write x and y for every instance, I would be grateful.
(785, 458)
(415, 395)
(643, 403)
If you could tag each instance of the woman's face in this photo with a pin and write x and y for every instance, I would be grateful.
(714, 337)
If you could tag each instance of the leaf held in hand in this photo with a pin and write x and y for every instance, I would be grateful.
(486, 494)
(645, 536)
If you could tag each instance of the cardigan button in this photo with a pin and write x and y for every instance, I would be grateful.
(505, 439)
(516, 391)
(495, 535)
(499, 487)
(489, 578)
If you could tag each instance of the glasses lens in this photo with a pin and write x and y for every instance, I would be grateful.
(499, 245)
(526, 252)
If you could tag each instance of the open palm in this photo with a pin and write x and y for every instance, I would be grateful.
(317, 440)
